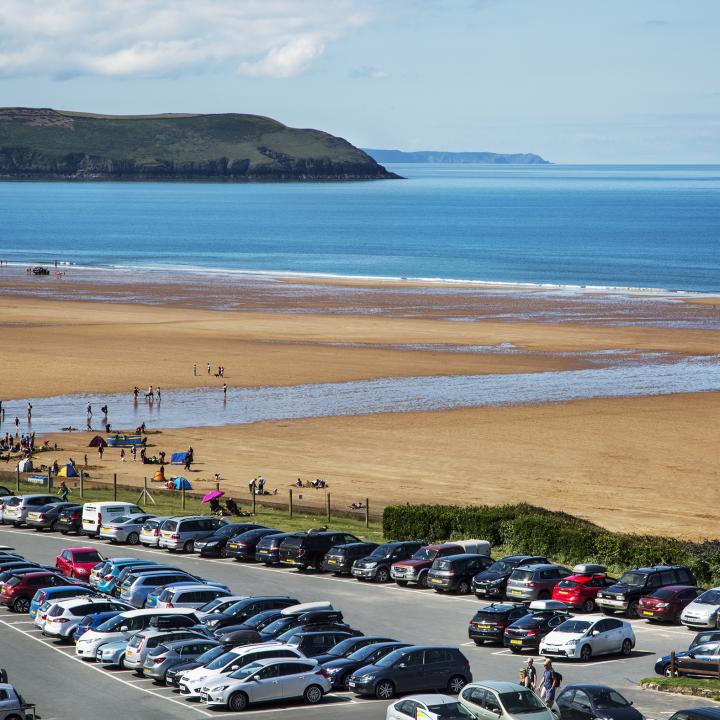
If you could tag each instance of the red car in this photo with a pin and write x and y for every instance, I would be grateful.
(580, 589)
(667, 603)
(415, 570)
(78, 562)
(18, 591)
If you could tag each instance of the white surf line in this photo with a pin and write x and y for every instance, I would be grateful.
(105, 674)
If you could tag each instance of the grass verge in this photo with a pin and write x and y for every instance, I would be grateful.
(699, 687)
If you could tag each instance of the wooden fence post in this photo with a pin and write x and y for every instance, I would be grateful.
(17, 488)
(327, 506)
(367, 512)
(253, 500)
(50, 478)
(114, 487)
(672, 664)
(82, 483)
(290, 504)
(183, 496)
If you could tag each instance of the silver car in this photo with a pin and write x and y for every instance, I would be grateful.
(7, 501)
(171, 653)
(124, 529)
(535, 582)
(143, 642)
(16, 512)
(135, 589)
(194, 595)
(112, 654)
(268, 680)
(180, 533)
(150, 531)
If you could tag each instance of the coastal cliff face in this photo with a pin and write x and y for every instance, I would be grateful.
(45, 144)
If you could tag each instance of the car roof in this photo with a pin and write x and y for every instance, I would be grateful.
(105, 503)
(182, 587)
(462, 556)
(503, 605)
(33, 495)
(71, 602)
(498, 685)
(158, 611)
(539, 566)
(430, 699)
(272, 661)
(444, 545)
(82, 548)
(656, 568)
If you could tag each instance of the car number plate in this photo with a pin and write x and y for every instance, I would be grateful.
(290, 561)
(204, 697)
(516, 642)
(648, 612)
(33, 516)
(436, 581)
(482, 627)
(351, 684)
(332, 562)
(516, 592)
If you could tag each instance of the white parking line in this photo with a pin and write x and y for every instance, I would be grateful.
(350, 702)
(100, 670)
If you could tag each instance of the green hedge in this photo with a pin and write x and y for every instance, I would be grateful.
(525, 529)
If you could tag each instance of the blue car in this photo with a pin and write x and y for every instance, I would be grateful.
(108, 582)
(90, 622)
(56, 593)
(700, 659)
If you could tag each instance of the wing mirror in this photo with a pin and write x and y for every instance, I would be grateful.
(595, 632)
(402, 665)
(691, 655)
(124, 628)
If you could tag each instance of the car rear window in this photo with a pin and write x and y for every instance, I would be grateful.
(121, 519)
(443, 565)
(55, 611)
(568, 584)
(293, 542)
(170, 525)
(151, 524)
(425, 554)
(522, 575)
(87, 556)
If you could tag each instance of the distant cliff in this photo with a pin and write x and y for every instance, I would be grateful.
(42, 144)
(433, 156)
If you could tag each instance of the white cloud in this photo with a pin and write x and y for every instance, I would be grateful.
(155, 38)
(369, 71)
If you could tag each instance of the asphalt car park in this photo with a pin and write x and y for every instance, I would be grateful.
(64, 686)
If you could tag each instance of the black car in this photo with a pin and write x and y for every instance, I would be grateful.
(340, 558)
(173, 674)
(312, 643)
(489, 623)
(587, 702)
(625, 595)
(216, 545)
(46, 517)
(700, 713)
(249, 631)
(527, 632)
(70, 520)
(339, 670)
(492, 581)
(306, 551)
(244, 545)
(455, 573)
(376, 566)
(418, 668)
(246, 608)
(268, 548)
(289, 622)
(4, 492)
(347, 647)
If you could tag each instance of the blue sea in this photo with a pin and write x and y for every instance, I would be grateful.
(618, 226)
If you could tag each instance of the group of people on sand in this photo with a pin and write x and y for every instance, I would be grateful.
(317, 484)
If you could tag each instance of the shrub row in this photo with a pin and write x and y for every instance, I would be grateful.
(525, 529)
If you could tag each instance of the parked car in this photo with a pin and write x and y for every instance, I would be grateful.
(587, 702)
(350, 645)
(70, 520)
(535, 582)
(46, 517)
(7, 501)
(90, 622)
(340, 669)
(268, 548)
(108, 575)
(415, 570)
(527, 632)
(173, 674)
(583, 639)
(124, 528)
(77, 562)
(266, 681)
(131, 572)
(376, 565)
(136, 588)
(299, 615)
(173, 653)
(339, 559)
(94, 515)
(140, 644)
(216, 545)
(244, 546)
(492, 582)
(625, 595)
(306, 551)
(55, 592)
(312, 643)
(246, 608)
(195, 595)
(15, 513)
(455, 573)
(17, 593)
(700, 659)
(705, 637)
(64, 615)
(219, 605)
(4, 491)
(505, 700)
(703, 611)
(150, 531)
(667, 603)
(440, 706)
(180, 533)
(153, 597)
(580, 589)
(248, 631)
(489, 623)
(13, 705)
(112, 654)
(699, 713)
(413, 669)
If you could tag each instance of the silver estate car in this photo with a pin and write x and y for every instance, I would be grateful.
(535, 582)
(150, 531)
(171, 653)
(124, 529)
(180, 533)
(143, 642)
(16, 512)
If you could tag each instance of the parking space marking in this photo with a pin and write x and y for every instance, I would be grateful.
(350, 702)
(100, 670)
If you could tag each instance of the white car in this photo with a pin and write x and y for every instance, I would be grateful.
(703, 611)
(191, 682)
(268, 680)
(442, 706)
(63, 616)
(582, 639)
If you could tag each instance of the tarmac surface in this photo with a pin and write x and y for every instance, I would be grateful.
(63, 687)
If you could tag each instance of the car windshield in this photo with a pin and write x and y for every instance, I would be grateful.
(425, 554)
(363, 653)
(568, 584)
(222, 661)
(111, 624)
(381, 552)
(210, 655)
(391, 658)
(632, 578)
(227, 530)
(522, 701)
(443, 565)
(574, 626)
(209, 606)
(246, 671)
(450, 711)
(277, 625)
(86, 556)
(709, 597)
(499, 566)
(663, 594)
(605, 698)
(260, 619)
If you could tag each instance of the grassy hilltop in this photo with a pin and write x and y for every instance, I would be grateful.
(43, 144)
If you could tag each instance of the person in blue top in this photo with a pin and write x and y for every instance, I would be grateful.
(550, 682)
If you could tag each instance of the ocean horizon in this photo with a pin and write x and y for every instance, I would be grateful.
(598, 227)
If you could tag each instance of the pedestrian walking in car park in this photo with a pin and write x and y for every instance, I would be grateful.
(550, 683)
(531, 674)
(522, 677)
(64, 491)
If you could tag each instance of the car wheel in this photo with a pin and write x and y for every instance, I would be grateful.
(423, 581)
(188, 546)
(384, 690)
(13, 717)
(133, 539)
(224, 553)
(344, 681)
(456, 684)
(21, 605)
(54, 526)
(668, 672)
(121, 662)
(439, 591)
(478, 642)
(514, 651)
(38, 529)
(588, 606)
(463, 587)
(401, 583)
(237, 702)
(313, 695)
(585, 653)
(382, 575)
(63, 532)
(632, 611)
(626, 648)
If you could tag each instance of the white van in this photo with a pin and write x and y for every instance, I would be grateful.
(95, 514)
(481, 547)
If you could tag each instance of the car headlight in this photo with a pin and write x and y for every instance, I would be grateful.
(662, 605)
(369, 676)
(219, 688)
(495, 582)
(82, 571)
(571, 643)
(370, 564)
(211, 542)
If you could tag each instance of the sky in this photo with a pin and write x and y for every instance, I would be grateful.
(572, 80)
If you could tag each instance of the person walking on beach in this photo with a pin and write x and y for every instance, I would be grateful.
(136, 392)
(194, 369)
(225, 391)
(133, 452)
(122, 454)
(64, 492)
(29, 412)
(157, 392)
(86, 464)
(252, 485)
(209, 367)
(89, 410)
(101, 450)
(188, 461)
(17, 425)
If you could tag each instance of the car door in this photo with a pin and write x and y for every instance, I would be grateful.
(408, 672)
(705, 659)
(615, 635)
(437, 668)
(580, 708)
(265, 684)
(293, 678)
(602, 642)
(480, 700)
(64, 562)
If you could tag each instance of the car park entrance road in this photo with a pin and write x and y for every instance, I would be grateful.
(63, 686)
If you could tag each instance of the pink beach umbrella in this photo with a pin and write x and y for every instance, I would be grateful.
(213, 495)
